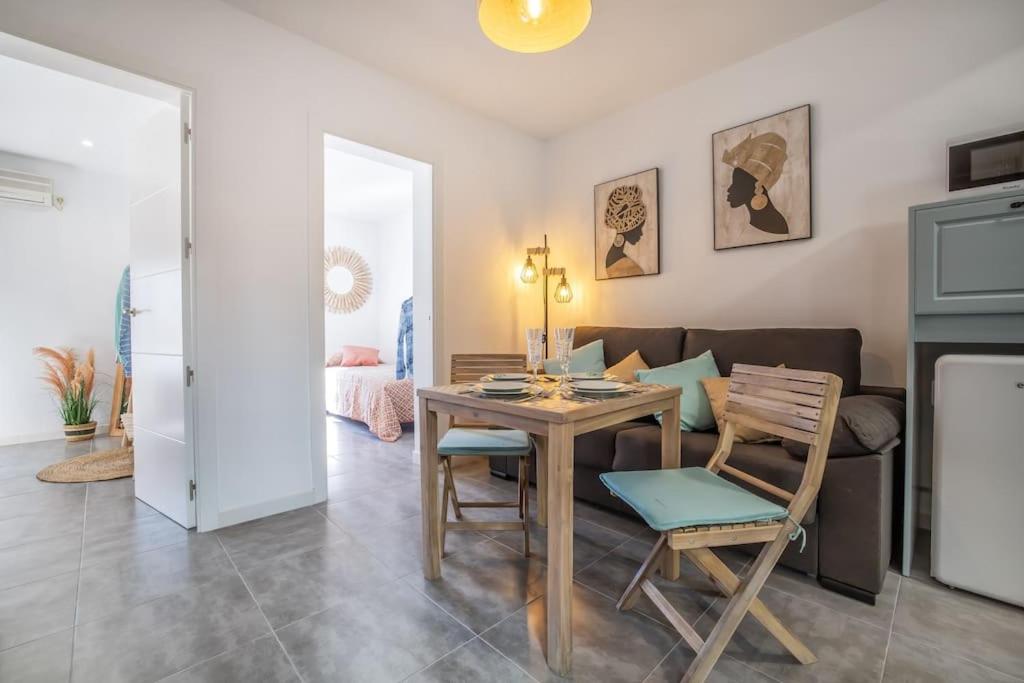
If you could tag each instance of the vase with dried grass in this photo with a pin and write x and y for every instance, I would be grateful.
(71, 382)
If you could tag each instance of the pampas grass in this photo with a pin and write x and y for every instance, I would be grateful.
(70, 381)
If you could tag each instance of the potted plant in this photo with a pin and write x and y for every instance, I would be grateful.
(71, 382)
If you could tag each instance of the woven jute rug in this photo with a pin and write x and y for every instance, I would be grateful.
(99, 466)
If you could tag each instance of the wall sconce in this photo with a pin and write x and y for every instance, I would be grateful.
(529, 275)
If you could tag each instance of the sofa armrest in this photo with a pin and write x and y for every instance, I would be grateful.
(855, 520)
(898, 393)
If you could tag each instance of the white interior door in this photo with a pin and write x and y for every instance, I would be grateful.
(160, 223)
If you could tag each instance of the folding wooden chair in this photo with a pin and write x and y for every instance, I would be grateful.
(481, 439)
(696, 509)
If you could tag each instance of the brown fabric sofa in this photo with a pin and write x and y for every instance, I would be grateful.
(849, 528)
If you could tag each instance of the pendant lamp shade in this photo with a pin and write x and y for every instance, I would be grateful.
(533, 25)
(563, 292)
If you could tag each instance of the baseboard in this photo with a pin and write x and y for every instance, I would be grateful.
(16, 439)
(276, 506)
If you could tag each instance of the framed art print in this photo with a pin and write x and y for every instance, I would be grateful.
(626, 227)
(762, 180)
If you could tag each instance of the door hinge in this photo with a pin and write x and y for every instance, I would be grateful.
(190, 375)
(188, 248)
(191, 489)
(186, 133)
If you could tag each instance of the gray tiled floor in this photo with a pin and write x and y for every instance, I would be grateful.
(96, 586)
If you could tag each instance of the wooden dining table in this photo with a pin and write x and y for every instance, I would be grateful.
(554, 421)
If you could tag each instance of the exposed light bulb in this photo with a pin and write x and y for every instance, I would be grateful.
(529, 273)
(563, 293)
(87, 143)
(532, 10)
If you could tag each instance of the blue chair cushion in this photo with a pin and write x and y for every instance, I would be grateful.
(691, 496)
(466, 441)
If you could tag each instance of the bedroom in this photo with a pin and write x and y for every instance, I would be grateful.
(368, 293)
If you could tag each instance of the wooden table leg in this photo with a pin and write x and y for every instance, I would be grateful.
(670, 459)
(430, 513)
(560, 530)
(541, 443)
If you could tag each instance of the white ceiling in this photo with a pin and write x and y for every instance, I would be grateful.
(46, 114)
(359, 189)
(632, 49)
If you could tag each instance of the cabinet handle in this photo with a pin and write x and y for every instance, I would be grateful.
(1016, 205)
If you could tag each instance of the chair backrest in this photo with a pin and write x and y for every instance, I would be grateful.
(794, 404)
(469, 367)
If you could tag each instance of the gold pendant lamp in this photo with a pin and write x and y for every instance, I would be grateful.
(533, 25)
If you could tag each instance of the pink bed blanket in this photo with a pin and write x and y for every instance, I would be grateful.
(371, 395)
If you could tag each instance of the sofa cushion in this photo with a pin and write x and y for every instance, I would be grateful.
(640, 449)
(587, 358)
(626, 368)
(596, 449)
(824, 350)
(694, 408)
(864, 424)
(658, 345)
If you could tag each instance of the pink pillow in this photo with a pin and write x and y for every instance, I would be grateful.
(359, 355)
(334, 360)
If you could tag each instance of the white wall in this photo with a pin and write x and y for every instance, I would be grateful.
(256, 89)
(395, 283)
(386, 245)
(887, 87)
(361, 327)
(59, 273)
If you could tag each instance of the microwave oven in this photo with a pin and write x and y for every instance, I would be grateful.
(986, 164)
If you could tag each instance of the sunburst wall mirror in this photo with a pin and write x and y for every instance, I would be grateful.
(348, 281)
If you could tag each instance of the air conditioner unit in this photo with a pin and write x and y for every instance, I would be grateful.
(25, 188)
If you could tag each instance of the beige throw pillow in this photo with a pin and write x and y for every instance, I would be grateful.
(625, 368)
(716, 389)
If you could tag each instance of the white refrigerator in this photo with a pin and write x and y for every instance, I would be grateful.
(978, 475)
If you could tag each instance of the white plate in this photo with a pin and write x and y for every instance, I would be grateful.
(602, 394)
(510, 377)
(599, 386)
(585, 375)
(503, 387)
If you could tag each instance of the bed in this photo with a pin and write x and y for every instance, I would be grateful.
(371, 395)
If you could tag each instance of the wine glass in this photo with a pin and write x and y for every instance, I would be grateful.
(563, 350)
(534, 349)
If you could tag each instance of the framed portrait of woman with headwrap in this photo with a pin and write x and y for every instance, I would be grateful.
(762, 180)
(626, 239)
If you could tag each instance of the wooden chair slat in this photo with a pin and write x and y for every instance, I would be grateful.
(688, 633)
(772, 427)
(777, 383)
(488, 365)
(782, 373)
(813, 401)
(773, 416)
(778, 406)
(759, 483)
(722, 537)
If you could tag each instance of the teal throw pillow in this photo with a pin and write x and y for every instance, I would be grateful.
(587, 358)
(694, 407)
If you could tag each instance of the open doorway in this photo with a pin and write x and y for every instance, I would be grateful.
(378, 303)
(95, 275)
